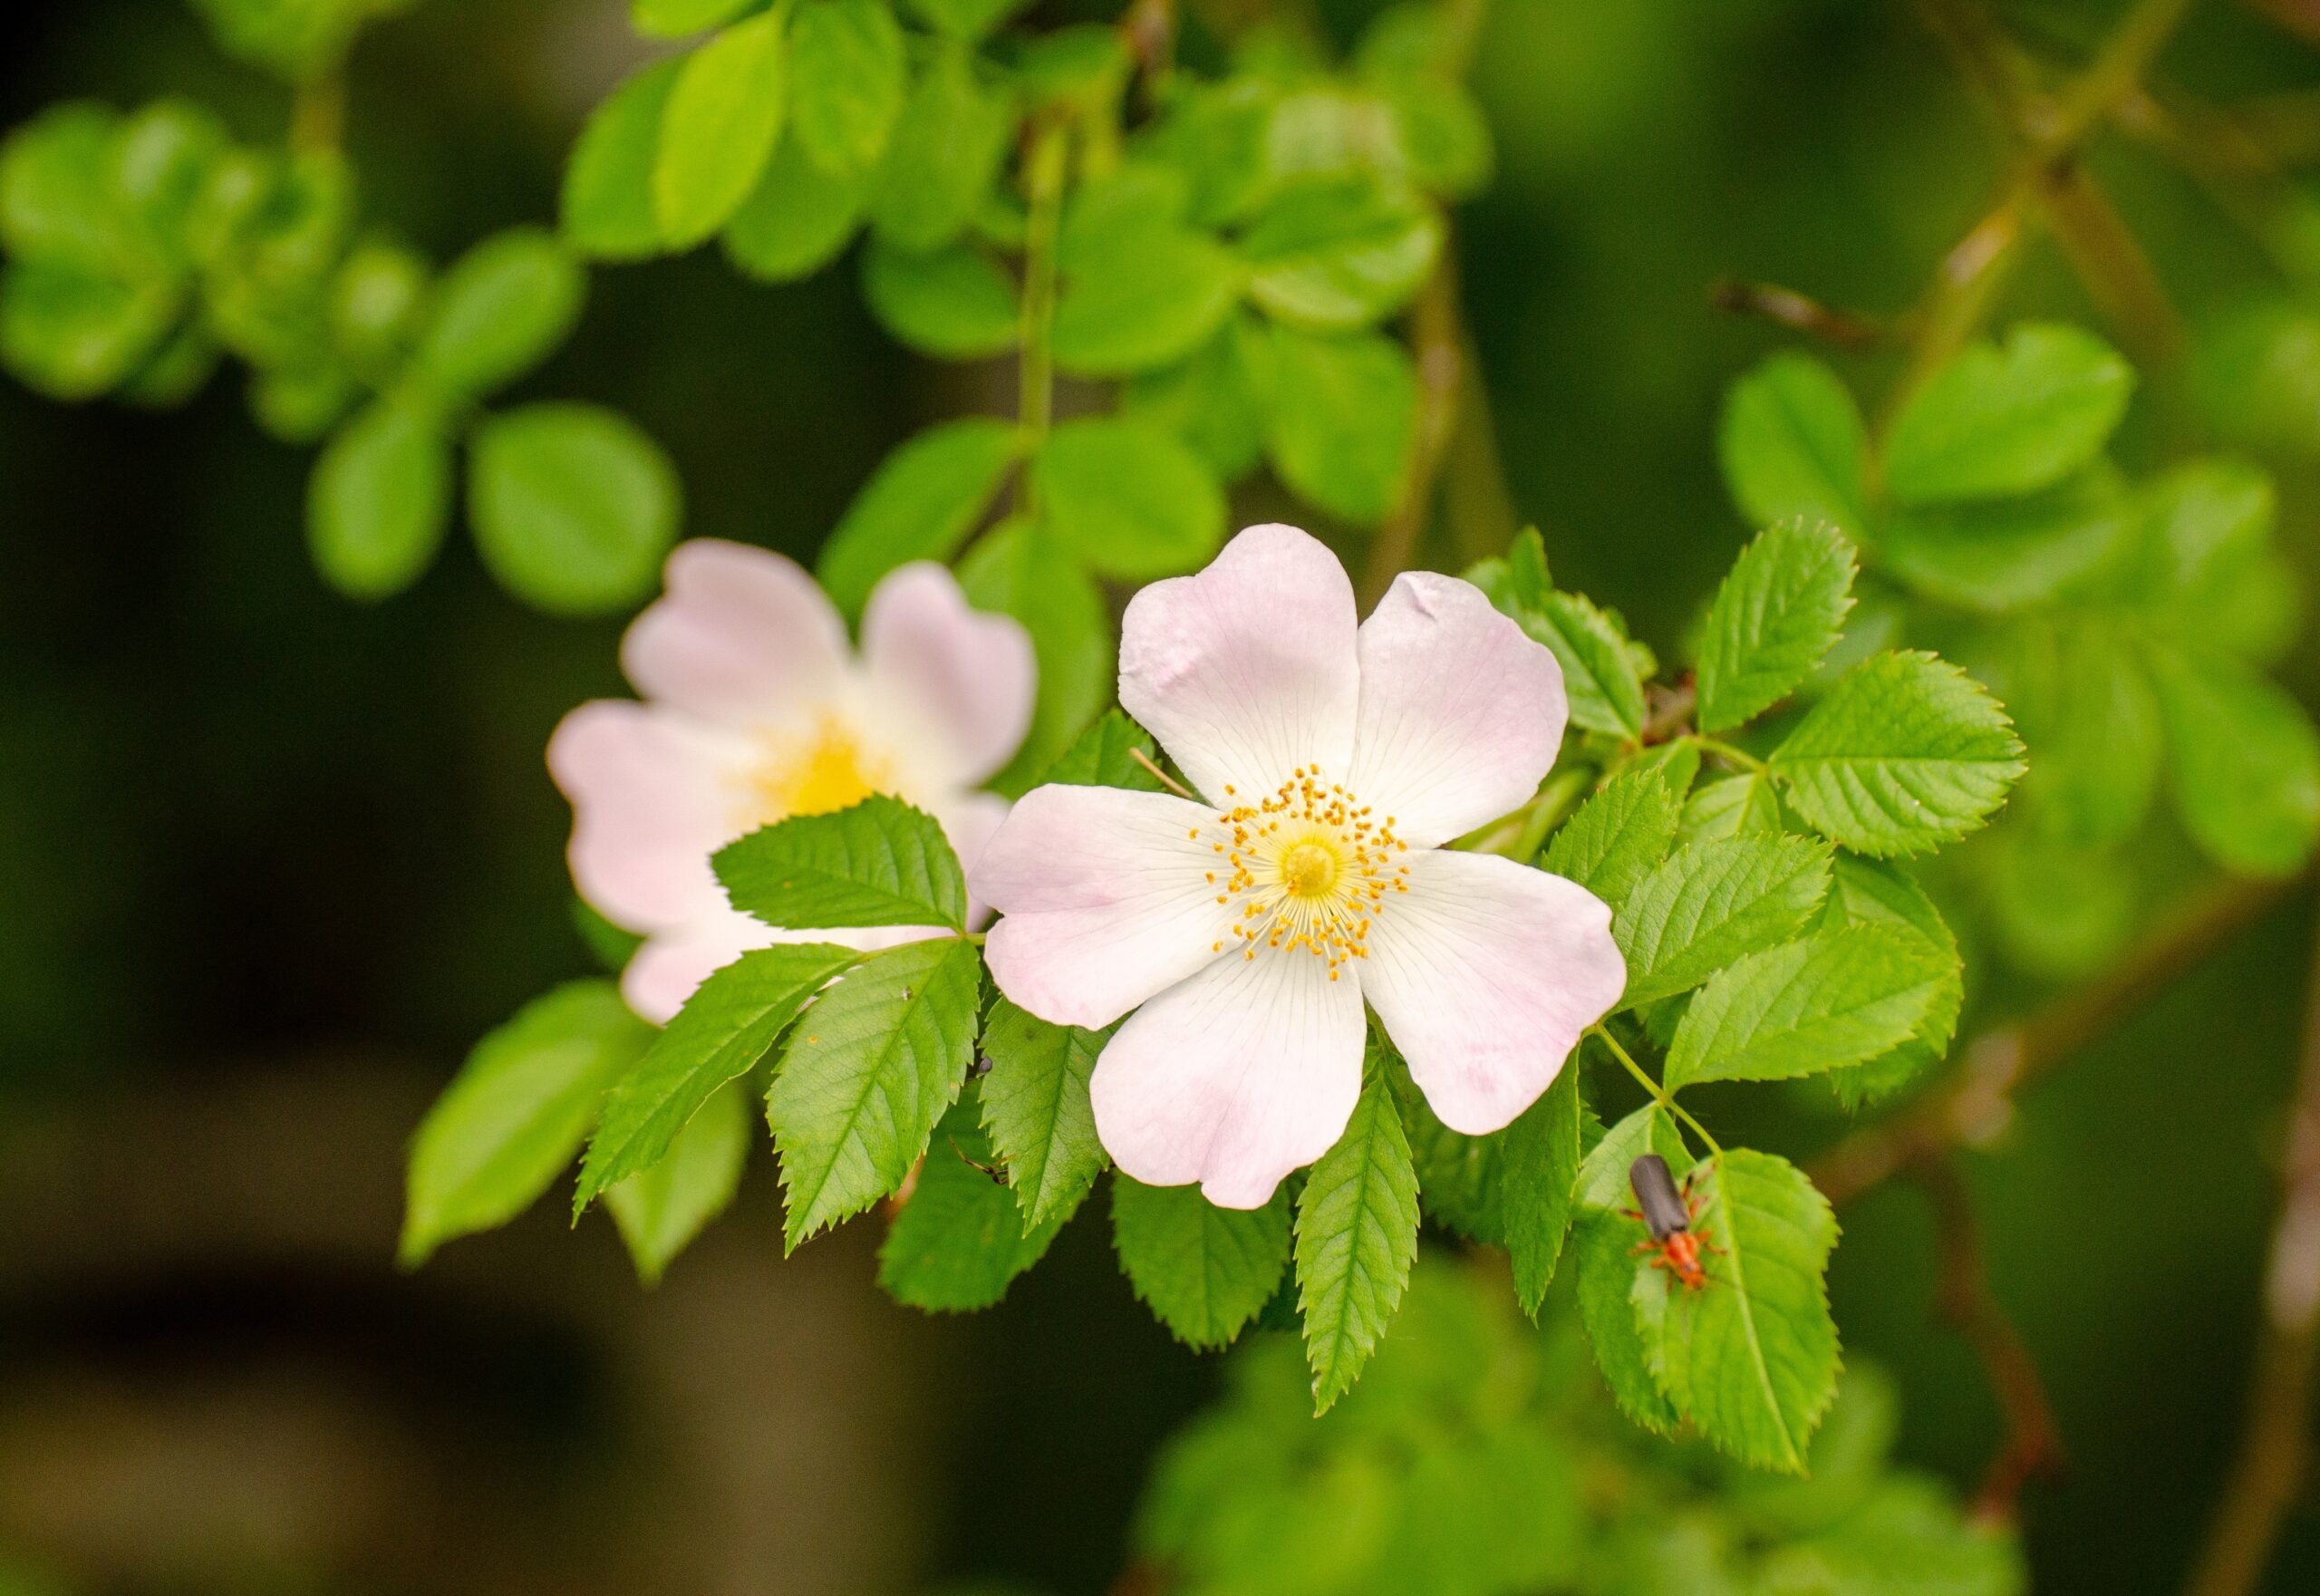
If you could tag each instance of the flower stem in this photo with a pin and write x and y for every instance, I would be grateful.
(1717, 746)
(1660, 1093)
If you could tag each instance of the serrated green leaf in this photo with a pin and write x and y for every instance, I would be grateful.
(848, 77)
(944, 153)
(1840, 998)
(1905, 753)
(724, 1029)
(862, 1083)
(606, 210)
(1128, 498)
(1615, 838)
(1020, 569)
(1210, 400)
(2207, 567)
(955, 303)
(878, 863)
(1457, 1174)
(1906, 1538)
(675, 19)
(1751, 1356)
(380, 499)
(1105, 756)
(920, 503)
(1792, 444)
(2083, 701)
(1874, 892)
(1603, 1251)
(797, 219)
(1204, 1270)
(719, 128)
(1538, 1183)
(660, 1211)
(2007, 555)
(1994, 422)
(1341, 419)
(1357, 1235)
(514, 1117)
(1599, 673)
(1773, 622)
(960, 1240)
(2244, 763)
(2058, 910)
(500, 309)
(1036, 1109)
(573, 506)
(1713, 903)
(1141, 299)
(1335, 253)
(1733, 806)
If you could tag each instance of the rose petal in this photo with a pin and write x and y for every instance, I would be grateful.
(966, 676)
(1485, 973)
(653, 797)
(1246, 670)
(1105, 897)
(743, 637)
(1460, 713)
(969, 820)
(1234, 1078)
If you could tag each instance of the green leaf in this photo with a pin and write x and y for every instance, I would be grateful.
(1712, 902)
(1773, 622)
(160, 162)
(955, 303)
(1905, 753)
(2083, 701)
(796, 221)
(660, 1211)
(72, 334)
(1872, 892)
(1907, 1537)
(573, 507)
(1210, 400)
(1792, 444)
(2009, 553)
(1105, 756)
(879, 863)
(723, 1030)
(1598, 674)
(1614, 839)
(864, 1078)
(1021, 570)
(960, 1239)
(1735, 806)
(499, 311)
(1128, 499)
(380, 499)
(56, 201)
(945, 152)
(1603, 1251)
(606, 209)
(1539, 1182)
(2243, 763)
(1994, 423)
(965, 19)
(1141, 298)
(677, 19)
(513, 1119)
(1356, 1237)
(1341, 421)
(376, 303)
(1751, 1356)
(719, 129)
(1843, 997)
(1036, 1109)
(849, 77)
(2207, 568)
(1333, 254)
(919, 505)
(1204, 1270)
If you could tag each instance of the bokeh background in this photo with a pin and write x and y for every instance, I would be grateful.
(270, 860)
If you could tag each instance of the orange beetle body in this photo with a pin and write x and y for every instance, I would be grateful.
(1667, 1215)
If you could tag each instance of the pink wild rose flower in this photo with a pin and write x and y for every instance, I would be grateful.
(755, 709)
(1335, 760)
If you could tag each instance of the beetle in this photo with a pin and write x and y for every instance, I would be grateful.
(1668, 1214)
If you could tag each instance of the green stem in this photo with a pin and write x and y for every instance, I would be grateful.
(1717, 746)
(1043, 189)
(1660, 1093)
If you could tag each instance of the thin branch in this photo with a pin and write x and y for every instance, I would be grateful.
(1797, 312)
(1438, 338)
(2108, 260)
(2275, 1458)
(1972, 1109)
(2033, 1446)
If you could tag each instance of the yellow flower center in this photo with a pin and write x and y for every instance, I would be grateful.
(823, 769)
(1308, 867)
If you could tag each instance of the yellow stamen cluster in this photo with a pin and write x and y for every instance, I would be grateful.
(821, 769)
(1307, 868)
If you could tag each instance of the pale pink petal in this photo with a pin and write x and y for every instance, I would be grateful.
(1232, 1078)
(1485, 973)
(742, 636)
(965, 675)
(1105, 897)
(1460, 713)
(651, 798)
(1246, 671)
(969, 820)
(663, 973)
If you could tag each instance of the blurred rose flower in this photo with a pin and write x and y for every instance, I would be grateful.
(755, 709)
(1336, 761)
